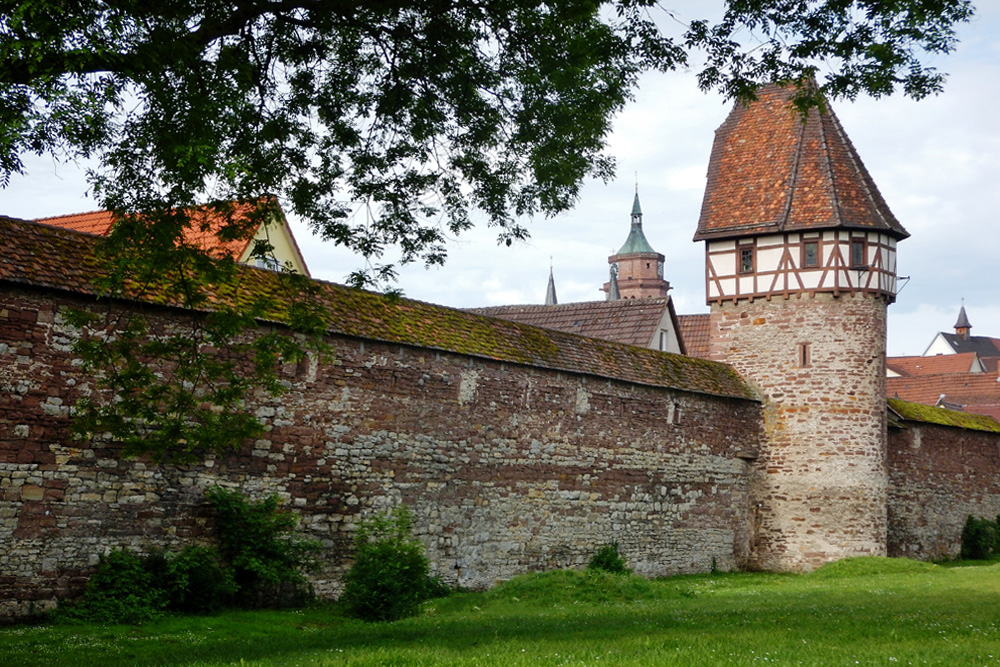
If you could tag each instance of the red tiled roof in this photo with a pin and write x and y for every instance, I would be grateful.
(772, 171)
(629, 321)
(936, 365)
(48, 257)
(966, 389)
(694, 331)
(202, 233)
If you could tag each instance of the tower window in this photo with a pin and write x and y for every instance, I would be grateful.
(805, 355)
(810, 254)
(746, 259)
(859, 255)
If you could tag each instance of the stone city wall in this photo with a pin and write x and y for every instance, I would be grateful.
(508, 468)
(938, 476)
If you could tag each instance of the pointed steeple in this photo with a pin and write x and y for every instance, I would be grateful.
(962, 326)
(613, 293)
(636, 241)
(550, 291)
(636, 269)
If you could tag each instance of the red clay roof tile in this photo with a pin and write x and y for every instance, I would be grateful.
(203, 232)
(771, 170)
(694, 330)
(936, 365)
(629, 321)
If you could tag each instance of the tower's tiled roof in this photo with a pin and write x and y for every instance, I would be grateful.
(43, 256)
(772, 170)
(636, 241)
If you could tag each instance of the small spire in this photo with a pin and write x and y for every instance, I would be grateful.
(613, 293)
(636, 209)
(962, 326)
(550, 292)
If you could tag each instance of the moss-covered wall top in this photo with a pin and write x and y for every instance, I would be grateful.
(47, 257)
(943, 417)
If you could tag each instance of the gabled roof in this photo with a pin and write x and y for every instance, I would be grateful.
(694, 331)
(975, 392)
(967, 362)
(984, 346)
(203, 232)
(772, 170)
(629, 321)
(42, 256)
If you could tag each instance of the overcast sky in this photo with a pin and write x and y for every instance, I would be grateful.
(936, 162)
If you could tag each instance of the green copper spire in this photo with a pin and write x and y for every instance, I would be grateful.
(636, 241)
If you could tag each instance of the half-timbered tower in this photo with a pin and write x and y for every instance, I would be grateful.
(636, 267)
(800, 264)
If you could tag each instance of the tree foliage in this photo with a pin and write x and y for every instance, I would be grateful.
(386, 123)
(388, 126)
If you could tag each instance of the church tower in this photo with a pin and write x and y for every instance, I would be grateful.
(636, 268)
(800, 265)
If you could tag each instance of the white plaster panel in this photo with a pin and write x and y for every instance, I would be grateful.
(724, 265)
(769, 258)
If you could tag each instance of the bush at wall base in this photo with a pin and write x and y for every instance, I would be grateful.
(609, 559)
(257, 543)
(390, 576)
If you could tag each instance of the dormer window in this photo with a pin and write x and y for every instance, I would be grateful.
(746, 259)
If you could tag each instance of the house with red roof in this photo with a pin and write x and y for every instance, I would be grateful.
(958, 371)
(204, 232)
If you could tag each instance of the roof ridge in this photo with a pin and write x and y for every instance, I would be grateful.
(70, 215)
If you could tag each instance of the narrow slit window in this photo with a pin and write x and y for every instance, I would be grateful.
(805, 355)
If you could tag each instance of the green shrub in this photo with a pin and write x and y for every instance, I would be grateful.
(978, 539)
(390, 576)
(256, 542)
(196, 581)
(122, 590)
(609, 559)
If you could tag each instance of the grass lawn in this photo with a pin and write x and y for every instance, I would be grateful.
(861, 611)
